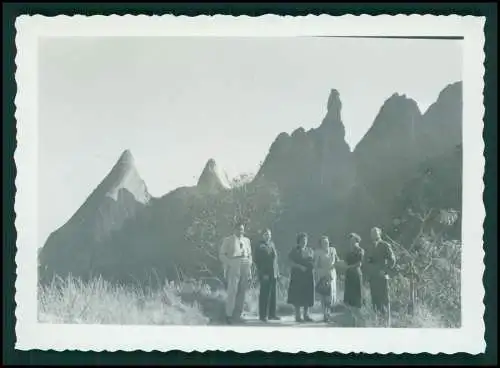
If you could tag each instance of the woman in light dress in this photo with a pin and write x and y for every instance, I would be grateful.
(326, 275)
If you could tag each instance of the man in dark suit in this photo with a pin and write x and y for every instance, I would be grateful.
(381, 260)
(266, 262)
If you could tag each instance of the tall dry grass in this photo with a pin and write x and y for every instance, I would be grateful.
(193, 303)
(100, 302)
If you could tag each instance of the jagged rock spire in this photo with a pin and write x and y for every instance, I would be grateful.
(334, 106)
(124, 176)
(333, 119)
(213, 178)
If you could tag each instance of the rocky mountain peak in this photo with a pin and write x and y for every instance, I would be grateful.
(124, 176)
(334, 105)
(452, 89)
(213, 178)
(400, 102)
(126, 157)
(332, 122)
(449, 98)
(398, 112)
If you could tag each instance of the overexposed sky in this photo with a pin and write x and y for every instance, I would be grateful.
(175, 102)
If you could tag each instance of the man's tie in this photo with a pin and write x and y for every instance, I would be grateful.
(242, 249)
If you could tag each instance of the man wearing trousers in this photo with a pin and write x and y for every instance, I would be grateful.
(266, 262)
(236, 256)
(381, 259)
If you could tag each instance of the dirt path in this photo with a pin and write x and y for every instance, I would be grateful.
(338, 319)
(289, 321)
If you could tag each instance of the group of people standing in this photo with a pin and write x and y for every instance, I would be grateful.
(313, 271)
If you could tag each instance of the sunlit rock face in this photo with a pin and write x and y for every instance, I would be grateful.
(74, 248)
(213, 179)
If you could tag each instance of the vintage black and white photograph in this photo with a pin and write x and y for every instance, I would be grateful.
(252, 185)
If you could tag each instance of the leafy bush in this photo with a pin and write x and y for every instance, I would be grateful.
(427, 280)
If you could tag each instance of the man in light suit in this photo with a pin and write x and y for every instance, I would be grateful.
(236, 256)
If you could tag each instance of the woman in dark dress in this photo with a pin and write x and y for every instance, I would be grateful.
(353, 275)
(301, 288)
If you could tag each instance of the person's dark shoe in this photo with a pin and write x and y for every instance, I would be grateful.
(326, 319)
(298, 319)
(274, 318)
(228, 320)
(308, 319)
(263, 319)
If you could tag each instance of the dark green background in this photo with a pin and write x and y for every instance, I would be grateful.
(11, 356)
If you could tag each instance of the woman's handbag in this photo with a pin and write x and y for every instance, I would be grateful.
(324, 286)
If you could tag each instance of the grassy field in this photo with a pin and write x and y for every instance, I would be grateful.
(99, 302)
(190, 303)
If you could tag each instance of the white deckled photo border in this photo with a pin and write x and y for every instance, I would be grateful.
(30, 334)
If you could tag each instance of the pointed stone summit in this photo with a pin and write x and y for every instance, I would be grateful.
(74, 248)
(213, 179)
(332, 124)
(330, 135)
(116, 198)
(124, 176)
(397, 121)
(332, 130)
(334, 106)
(398, 110)
(313, 166)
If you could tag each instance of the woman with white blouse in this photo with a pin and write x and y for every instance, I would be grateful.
(326, 275)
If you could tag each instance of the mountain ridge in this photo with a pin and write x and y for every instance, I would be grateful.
(121, 229)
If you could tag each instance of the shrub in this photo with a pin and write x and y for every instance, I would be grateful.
(426, 283)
